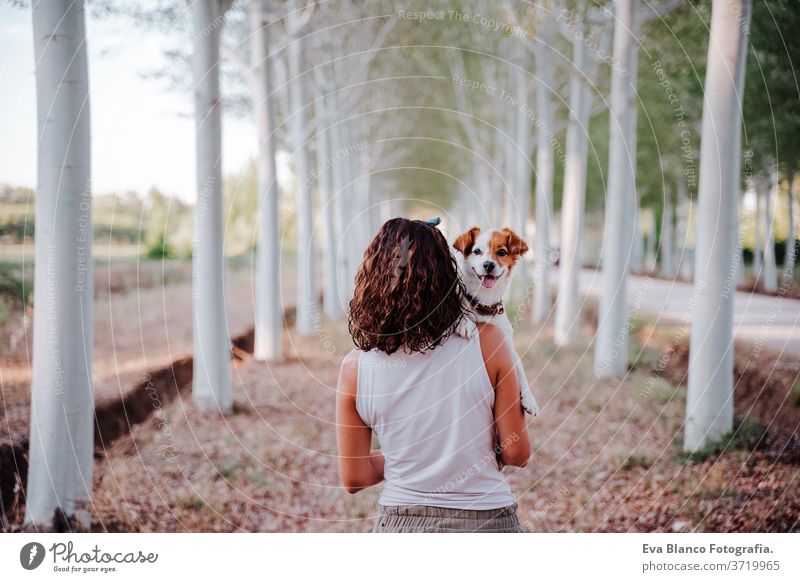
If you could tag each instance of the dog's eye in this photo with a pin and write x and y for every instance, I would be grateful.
(501, 253)
(476, 251)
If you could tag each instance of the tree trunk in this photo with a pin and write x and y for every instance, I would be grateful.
(789, 260)
(770, 277)
(269, 315)
(521, 150)
(684, 238)
(636, 252)
(611, 348)
(651, 242)
(62, 424)
(709, 404)
(737, 160)
(331, 305)
(545, 171)
(758, 249)
(574, 200)
(340, 210)
(667, 232)
(211, 383)
(496, 174)
(306, 272)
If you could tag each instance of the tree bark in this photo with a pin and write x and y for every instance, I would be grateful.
(709, 405)
(211, 383)
(574, 200)
(737, 160)
(684, 238)
(667, 232)
(269, 315)
(545, 171)
(770, 277)
(331, 305)
(636, 252)
(306, 271)
(611, 348)
(789, 260)
(758, 249)
(651, 242)
(62, 424)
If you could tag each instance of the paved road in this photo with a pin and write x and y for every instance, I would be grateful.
(773, 321)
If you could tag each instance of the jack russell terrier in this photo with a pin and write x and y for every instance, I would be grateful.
(487, 261)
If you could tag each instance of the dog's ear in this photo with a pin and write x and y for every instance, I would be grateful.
(516, 246)
(465, 241)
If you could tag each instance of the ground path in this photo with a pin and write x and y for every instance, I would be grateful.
(758, 318)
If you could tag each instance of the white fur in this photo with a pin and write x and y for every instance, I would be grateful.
(471, 270)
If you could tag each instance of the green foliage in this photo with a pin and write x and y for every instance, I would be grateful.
(794, 396)
(13, 288)
(771, 105)
(159, 250)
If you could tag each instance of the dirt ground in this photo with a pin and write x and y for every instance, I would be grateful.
(143, 316)
(606, 454)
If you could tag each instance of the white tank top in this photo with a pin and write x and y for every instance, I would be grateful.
(432, 414)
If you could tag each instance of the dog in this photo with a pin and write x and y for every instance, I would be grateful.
(487, 260)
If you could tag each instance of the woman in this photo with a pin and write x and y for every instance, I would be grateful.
(433, 398)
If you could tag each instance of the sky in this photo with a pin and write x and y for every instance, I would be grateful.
(142, 134)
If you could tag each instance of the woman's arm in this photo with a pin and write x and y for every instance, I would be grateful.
(359, 467)
(509, 418)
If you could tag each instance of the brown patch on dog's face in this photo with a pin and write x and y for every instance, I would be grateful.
(506, 247)
(464, 242)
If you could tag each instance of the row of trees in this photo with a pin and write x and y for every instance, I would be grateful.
(61, 412)
(465, 109)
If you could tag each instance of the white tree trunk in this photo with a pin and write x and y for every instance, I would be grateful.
(306, 272)
(737, 160)
(637, 253)
(667, 232)
(758, 249)
(574, 200)
(498, 187)
(269, 315)
(331, 305)
(637, 250)
(650, 261)
(770, 277)
(62, 423)
(545, 171)
(684, 237)
(522, 164)
(611, 348)
(789, 260)
(341, 191)
(522, 173)
(211, 382)
(709, 404)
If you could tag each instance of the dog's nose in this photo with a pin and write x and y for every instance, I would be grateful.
(488, 266)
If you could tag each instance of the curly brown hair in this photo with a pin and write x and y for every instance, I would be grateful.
(408, 291)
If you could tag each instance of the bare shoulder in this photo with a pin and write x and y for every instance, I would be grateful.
(350, 360)
(494, 348)
(348, 373)
(492, 338)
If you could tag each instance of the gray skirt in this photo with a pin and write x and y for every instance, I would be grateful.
(428, 519)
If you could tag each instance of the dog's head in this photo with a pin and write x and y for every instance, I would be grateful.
(489, 258)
